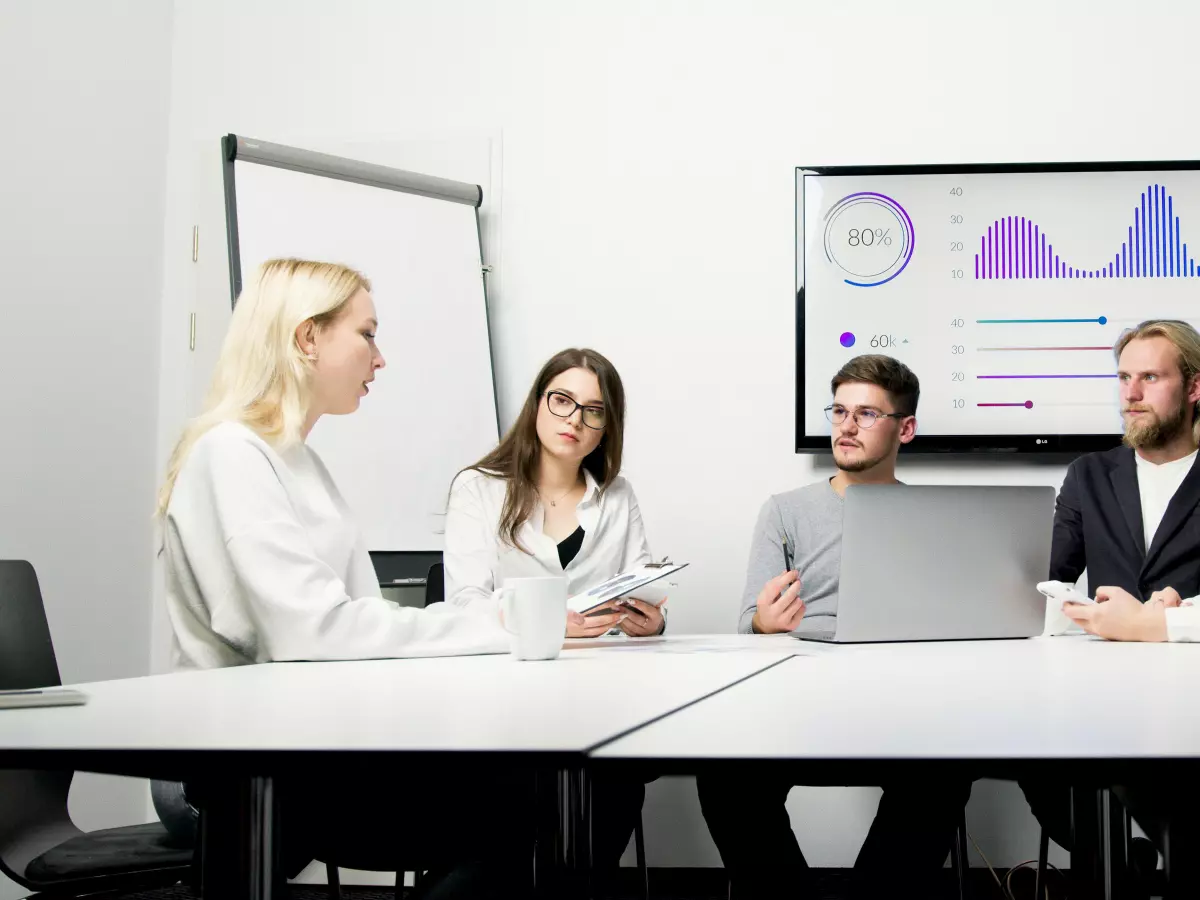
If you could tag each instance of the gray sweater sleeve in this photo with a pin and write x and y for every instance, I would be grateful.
(766, 560)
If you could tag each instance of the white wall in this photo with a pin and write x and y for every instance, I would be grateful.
(84, 91)
(648, 154)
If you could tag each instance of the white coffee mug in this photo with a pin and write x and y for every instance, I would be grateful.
(535, 614)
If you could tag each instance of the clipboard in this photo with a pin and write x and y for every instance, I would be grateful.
(644, 580)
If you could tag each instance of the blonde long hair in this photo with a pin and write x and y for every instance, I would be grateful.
(262, 376)
(1186, 341)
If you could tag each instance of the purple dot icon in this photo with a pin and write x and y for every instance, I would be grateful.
(847, 339)
(1029, 404)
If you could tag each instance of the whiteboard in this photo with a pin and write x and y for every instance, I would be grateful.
(432, 409)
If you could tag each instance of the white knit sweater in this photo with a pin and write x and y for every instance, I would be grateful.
(265, 563)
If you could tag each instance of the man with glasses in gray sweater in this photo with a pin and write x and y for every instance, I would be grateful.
(799, 534)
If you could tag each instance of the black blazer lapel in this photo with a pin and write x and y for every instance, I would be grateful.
(1123, 477)
(1181, 506)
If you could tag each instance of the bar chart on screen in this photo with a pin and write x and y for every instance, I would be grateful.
(1150, 247)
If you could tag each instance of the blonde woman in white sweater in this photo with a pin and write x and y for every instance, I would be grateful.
(263, 559)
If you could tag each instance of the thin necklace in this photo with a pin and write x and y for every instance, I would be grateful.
(555, 501)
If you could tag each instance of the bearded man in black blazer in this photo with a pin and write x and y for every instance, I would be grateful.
(1130, 517)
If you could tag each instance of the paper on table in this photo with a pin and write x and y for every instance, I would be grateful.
(686, 644)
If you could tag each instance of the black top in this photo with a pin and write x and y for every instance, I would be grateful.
(1098, 526)
(568, 548)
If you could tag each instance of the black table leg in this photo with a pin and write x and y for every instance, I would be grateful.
(1117, 876)
(564, 854)
(584, 853)
(240, 837)
(562, 863)
(1088, 865)
(550, 853)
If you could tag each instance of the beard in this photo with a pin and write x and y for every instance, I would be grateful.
(857, 464)
(1150, 432)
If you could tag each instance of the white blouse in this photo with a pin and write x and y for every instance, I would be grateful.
(478, 562)
(264, 562)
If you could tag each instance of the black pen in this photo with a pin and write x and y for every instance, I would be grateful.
(787, 556)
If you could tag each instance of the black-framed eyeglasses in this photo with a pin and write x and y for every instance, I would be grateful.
(564, 406)
(863, 418)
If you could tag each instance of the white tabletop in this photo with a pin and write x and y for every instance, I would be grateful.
(1045, 698)
(593, 692)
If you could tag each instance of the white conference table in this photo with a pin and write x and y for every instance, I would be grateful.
(241, 728)
(1069, 700)
(1083, 712)
(592, 693)
(686, 702)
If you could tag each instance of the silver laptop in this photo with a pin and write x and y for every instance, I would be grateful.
(941, 563)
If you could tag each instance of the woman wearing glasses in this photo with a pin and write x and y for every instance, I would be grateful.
(549, 500)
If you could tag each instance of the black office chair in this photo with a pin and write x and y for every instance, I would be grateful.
(1130, 860)
(40, 847)
(435, 584)
(333, 879)
(960, 860)
(639, 850)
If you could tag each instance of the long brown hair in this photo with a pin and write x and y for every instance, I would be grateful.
(516, 457)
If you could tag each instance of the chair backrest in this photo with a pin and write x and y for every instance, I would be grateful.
(435, 584)
(26, 651)
(33, 805)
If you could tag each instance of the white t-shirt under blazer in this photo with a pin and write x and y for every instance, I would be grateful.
(478, 562)
(264, 562)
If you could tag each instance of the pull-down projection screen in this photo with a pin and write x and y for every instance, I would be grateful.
(432, 409)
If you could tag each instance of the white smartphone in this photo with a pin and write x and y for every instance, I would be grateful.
(1064, 593)
(42, 697)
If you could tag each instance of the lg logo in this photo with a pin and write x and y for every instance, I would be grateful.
(1040, 441)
